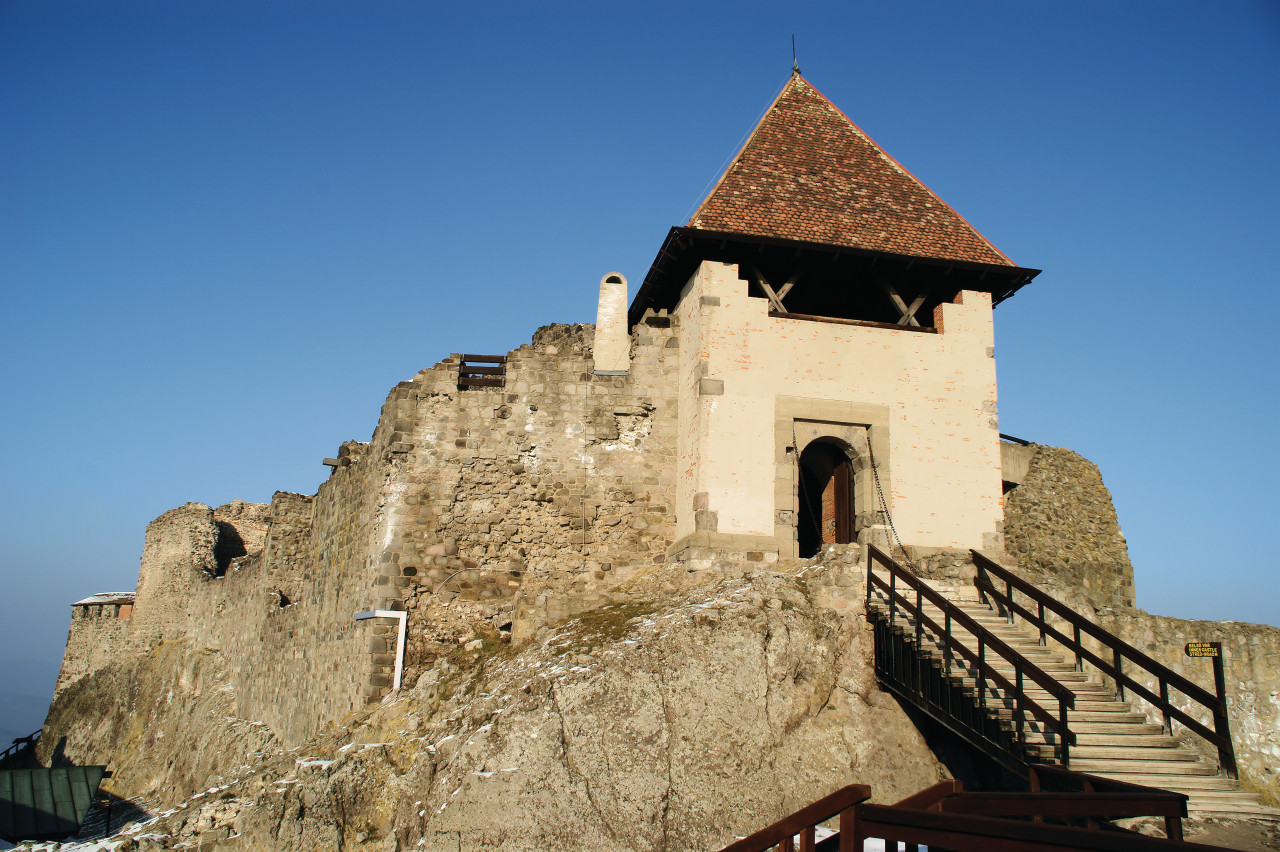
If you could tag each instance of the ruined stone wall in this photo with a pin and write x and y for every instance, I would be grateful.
(560, 482)
(282, 620)
(1061, 527)
(178, 552)
(1251, 661)
(94, 640)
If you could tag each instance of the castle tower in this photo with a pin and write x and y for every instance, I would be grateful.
(836, 347)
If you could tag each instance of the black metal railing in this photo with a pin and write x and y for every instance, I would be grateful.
(21, 753)
(1001, 585)
(917, 657)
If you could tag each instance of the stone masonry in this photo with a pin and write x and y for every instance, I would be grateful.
(1061, 527)
(462, 504)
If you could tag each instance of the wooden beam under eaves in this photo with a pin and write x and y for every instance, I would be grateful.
(774, 298)
(906, 313)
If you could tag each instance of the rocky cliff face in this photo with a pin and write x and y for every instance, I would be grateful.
(648, 726)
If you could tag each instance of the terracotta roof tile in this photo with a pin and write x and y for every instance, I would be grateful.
(809, 173)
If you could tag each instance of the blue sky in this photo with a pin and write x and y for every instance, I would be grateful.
(228, 228)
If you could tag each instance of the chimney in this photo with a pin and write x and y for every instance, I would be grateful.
(612, 351)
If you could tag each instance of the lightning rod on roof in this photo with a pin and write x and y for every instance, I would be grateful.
(795, 66)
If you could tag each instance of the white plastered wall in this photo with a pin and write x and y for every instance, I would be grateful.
(933, 395)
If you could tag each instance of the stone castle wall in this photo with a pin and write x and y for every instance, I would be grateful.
(1251, 663)
(488, 513)
(462, 501)
(282, 619)
(560, 481)
(93, 641)
(1061, 527)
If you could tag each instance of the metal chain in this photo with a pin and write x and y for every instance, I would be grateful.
(875, 472)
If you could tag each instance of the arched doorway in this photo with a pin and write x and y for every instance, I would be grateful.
(826, 498)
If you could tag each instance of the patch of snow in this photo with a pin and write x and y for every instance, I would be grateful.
(316, 761)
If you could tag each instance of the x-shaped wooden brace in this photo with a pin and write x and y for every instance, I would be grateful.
(775, 298)
(908, 312)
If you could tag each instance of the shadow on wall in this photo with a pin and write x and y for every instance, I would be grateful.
(228, 546)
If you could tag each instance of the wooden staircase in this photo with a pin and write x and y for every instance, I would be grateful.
(1115, 740)
(932, 644)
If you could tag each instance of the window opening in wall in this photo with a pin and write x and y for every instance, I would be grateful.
(482, 371)
(826, 498)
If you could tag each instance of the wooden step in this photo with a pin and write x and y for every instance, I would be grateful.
(1228, 797)
(1113, 740)
(1176, 782)
(1115, 752)
(1110, 729)
(1125, 739)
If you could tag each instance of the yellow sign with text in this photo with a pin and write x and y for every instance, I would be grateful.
(1204, 649)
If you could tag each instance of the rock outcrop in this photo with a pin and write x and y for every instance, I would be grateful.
(646, 725)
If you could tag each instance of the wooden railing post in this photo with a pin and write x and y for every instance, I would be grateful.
(946, 643)
(849, 839)
(982, 665)
(1116, 661)
(1021, 713)
(1221, 722)
(1064, 737)
(1044, 640)
(919, 621)
(893, 593)
(1164, 709)
(1078, 649)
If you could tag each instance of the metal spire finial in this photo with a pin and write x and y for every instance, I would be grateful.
(795, 66)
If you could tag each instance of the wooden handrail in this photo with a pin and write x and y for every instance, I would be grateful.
(984, 668)
(1182, 684)
(930, 796)
(1121, 651)
(802, 821)
(1169, 710)
(1104, 805)
(985, 639)
(945, 816)
(1043, 679)
(968, 833)
(1076, 780)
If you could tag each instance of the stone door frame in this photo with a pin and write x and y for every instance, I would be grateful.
(860, 430)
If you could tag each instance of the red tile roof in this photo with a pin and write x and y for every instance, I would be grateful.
(809, 173)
